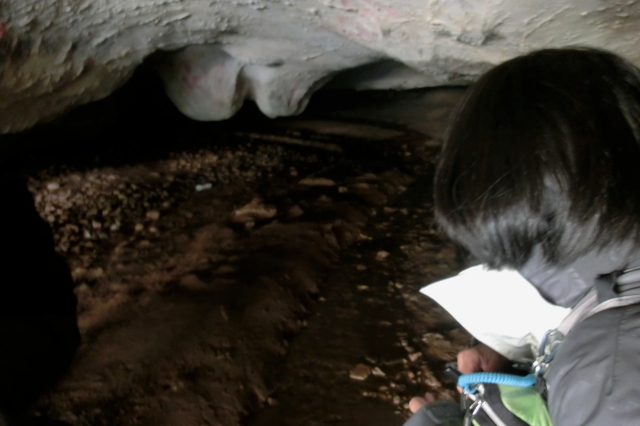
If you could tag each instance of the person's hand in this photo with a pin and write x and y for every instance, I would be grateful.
(481, 358)
(473, 360)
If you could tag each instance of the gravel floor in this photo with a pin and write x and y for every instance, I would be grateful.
(249, 272)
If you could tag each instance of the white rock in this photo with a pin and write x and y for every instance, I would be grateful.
(202, 187)
(378, 372)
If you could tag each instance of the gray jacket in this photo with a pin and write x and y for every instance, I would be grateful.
(594, 379)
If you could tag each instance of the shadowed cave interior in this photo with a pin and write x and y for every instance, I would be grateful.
(251, 271)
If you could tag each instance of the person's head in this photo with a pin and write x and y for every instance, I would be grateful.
(544, 150)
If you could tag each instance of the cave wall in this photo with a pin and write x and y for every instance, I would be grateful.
(56, 54)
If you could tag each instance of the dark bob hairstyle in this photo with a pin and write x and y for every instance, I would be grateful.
(544, 150)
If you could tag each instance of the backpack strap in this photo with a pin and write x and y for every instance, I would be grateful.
(610, 291)
(578, 313)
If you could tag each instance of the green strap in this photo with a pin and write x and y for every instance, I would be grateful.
(526, 403)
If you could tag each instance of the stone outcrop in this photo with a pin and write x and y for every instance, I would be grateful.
(57, 54)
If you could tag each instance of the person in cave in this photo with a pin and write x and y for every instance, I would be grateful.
(539, 180)
(38, 325)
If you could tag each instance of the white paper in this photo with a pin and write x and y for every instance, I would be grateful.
(500, 308)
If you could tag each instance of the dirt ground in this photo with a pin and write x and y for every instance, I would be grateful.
(253, 272)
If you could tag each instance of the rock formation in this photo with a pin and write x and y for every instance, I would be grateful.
(214, 54)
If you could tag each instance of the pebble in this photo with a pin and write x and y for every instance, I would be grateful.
(360, 372)
(382, 255)
(253, 211)
(153, 214)
(367, 177)
(94, 274)
(430, 380)
(271, 401)
(378, 372)
(361, 267)
(362, 287)
(202, 187)
(78, 273)
(414, 356)
(360, 185)
(53, 186)
(317, 182)
(295, 211)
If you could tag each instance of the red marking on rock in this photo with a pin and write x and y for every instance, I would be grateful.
(195, 81)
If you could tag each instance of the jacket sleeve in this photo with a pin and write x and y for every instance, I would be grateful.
(595, 378)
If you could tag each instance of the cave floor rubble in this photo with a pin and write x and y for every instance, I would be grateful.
(256, 272)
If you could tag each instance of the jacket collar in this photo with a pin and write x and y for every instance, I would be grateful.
(564, 286)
